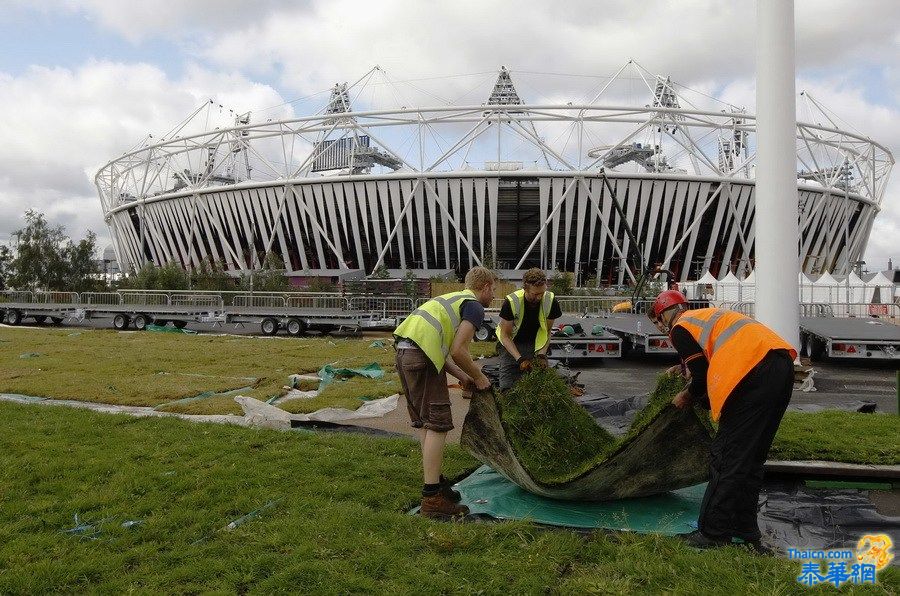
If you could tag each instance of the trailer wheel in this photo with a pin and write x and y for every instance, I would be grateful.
(269, 326)
(13, 317)
(816, 349)
(120, 322)
(56, 320)
(483, 333)
(141, 322)
(296, 327)
(180, 324)
(40, 319)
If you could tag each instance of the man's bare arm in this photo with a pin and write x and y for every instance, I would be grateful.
(459, 351)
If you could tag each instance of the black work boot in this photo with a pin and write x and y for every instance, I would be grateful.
(698, 539)
(448, 492)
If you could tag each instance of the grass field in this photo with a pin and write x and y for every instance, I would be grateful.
(336, 522)
(156, 369)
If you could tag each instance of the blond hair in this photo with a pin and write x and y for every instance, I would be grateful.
(534, 276)
(479, 277)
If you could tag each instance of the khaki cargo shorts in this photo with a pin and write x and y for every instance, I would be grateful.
(427, 396)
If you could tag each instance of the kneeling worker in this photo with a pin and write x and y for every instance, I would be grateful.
(747, 372)
(432, 341)
(526, 319)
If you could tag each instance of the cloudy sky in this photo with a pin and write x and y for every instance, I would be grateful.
(82, 81)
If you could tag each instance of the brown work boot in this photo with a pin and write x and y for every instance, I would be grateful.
(440, 507)
(448, 492)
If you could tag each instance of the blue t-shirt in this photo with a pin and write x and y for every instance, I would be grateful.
(473, 312)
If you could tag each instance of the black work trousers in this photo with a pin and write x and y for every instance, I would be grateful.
(747, 426)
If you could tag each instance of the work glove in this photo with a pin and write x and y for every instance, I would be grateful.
(524, 363)
(540, 361)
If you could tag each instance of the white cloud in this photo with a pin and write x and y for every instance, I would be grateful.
(62, 125)
(70, 122)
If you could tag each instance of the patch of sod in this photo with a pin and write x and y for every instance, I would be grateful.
(150, 369)
(848, 437)
(554, 438)
(338, 523)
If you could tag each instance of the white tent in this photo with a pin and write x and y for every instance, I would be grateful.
(702, 289)
(825, 289)
(729, 288)
(708, 278)
(881, 289)
(748, 288)
(806, 288)
(854, 290)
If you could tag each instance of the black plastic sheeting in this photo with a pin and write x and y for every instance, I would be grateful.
(790, 514)
(793, 516)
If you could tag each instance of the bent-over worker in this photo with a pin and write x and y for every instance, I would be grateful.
(432, 341)
(526, 319)
(744, 373)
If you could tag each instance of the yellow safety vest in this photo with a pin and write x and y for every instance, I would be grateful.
(433, 325)
(516, 302)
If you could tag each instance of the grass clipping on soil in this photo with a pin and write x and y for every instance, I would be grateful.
(554, 438)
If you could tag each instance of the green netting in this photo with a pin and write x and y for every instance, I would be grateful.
(167, 329)
(487, 492)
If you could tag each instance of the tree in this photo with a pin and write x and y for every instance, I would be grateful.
(271, 278)
(562, 283)
(150, 277)
(47, 259)
(5, 261)
(211, 275)
(380, 272)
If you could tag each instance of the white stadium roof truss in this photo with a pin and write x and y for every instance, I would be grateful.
(256, 187)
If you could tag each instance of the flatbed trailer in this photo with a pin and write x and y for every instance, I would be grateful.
(854, 338)
(590, 341)
(637, 333)
(141, 310)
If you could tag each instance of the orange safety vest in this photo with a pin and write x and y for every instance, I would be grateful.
(733, 344)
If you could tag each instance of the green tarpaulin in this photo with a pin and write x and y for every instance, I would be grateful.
(327, 374)
(487, 492)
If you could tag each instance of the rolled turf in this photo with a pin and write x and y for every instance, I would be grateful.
(554, 438)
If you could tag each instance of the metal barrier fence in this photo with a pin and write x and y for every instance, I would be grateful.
(19, 296)
(644, 306)
(840, 310)
(331, 302)
(386, 305)
(145, 298)
(588, 304)
(259, 301)
(56, 298)
(198, 300)
(101, 298)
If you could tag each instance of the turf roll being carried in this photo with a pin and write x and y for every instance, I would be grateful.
(538, 437)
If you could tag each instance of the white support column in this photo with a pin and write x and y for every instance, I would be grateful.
(777, 233)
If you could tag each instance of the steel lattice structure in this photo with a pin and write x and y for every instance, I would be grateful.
(447, 187)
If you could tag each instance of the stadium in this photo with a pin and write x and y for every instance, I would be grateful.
(660, 176)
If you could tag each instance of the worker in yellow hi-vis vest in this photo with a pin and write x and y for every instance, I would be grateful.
(432, 341)
(744, 373)
(526, 319)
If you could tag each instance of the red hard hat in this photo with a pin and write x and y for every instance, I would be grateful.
(666, 300)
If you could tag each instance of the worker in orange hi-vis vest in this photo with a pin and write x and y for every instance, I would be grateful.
(744, 373)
